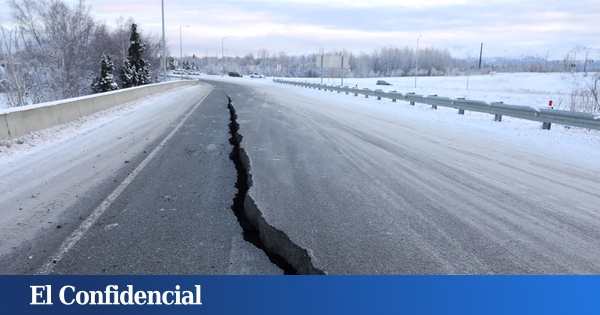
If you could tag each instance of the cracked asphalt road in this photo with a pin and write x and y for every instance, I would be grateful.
(368, 193)
(175, 217)
(361, 192)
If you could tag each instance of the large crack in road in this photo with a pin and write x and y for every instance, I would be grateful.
(280, 249)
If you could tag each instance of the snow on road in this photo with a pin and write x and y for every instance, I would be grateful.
(38, 140)
(530, 89)
(44, 173)
(427, 191)
(534, 89)
(573, 145)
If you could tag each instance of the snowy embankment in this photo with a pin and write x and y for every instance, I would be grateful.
(35, 141)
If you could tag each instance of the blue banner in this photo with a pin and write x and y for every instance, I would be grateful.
(300, 294)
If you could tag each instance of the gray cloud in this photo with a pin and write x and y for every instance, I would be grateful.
(299, 27)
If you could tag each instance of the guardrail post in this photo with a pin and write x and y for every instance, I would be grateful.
(461, 111)
(366, 92)
(497, 117)
(546, 126)
(433, 106)
(411, 102)
(378, 95)
(393, 99)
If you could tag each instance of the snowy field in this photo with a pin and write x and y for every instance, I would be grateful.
(533, 89)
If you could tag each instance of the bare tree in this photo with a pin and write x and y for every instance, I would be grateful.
(594, 91)
(17, 80)
(58, 40)
(153, 53)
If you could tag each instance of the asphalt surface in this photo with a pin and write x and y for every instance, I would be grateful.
(364, 193)
(174, 217)
(335, 189)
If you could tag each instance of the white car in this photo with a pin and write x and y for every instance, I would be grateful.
(257, 75)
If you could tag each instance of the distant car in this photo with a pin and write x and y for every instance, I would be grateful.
(257, 75)
(194, 72)
(235, 74)
(382, 82)
(176, 71)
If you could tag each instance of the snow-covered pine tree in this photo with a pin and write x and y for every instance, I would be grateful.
(135, 70)
(128, 74)
(104, 82)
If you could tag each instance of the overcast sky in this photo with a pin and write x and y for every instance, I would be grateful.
(505, 27)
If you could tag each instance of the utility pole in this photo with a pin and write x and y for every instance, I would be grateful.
(181, 51)
(586, 61)
(343, 69)
(417, 61)
(322, 57)
(480, 55)
(223, 46)
(164, 57)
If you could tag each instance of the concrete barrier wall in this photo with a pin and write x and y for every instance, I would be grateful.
(15, 122)
(4, 135)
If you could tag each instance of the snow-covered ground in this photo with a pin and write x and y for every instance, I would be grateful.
(3, 102)
(534, 89)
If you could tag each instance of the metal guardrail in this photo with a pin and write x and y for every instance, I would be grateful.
(544, 115)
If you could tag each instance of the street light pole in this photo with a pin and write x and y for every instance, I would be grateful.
(222, 45)
(164, 58)
(181, 50)
(417, 61)
(223, 52)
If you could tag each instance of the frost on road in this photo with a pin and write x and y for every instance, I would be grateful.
(369, 187)
(337, 184)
